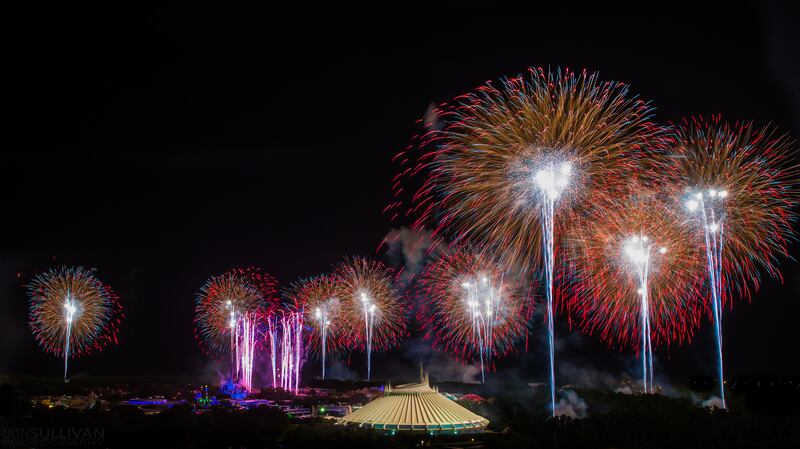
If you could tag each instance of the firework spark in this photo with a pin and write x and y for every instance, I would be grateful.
(72, 313)
(516, 161)
(738, 185)
(471, 307)
(287, 351)
(636, 275)
(368, 297)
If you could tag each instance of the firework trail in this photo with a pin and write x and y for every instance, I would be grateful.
(636, 275)
(323, 319)
(285, 335)
(225, 308)
(272, 339)
(368, 296)
(551, 180)
(640, 252)
(248, 349)
(319, 300)
(369, 320)
(471, 305)
(71, 313)
(297, 325)
(515, 162)
(738, 185)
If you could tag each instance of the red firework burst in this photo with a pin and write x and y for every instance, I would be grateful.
(368, 296)
(470, 302)
(605, 288)
(320, 300)
(742, 180)
(471, 175)
(238, 291)
(95, 318)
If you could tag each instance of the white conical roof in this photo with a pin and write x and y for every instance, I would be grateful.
(417, 407)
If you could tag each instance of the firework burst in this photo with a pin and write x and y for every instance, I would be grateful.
(225, 299)
(636, 275)
(319, 300)
(72, 313)
(471, 307)
(747, 178)
(738, 185)
(513, 163)
(370, 299)
(485, 169)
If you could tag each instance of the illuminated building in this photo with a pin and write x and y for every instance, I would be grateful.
(416, 407)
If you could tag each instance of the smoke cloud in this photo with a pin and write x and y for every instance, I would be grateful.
(337, 369)
(571, 405)
(440, 366)
(713, 402)
(432, 121)
(408, 249)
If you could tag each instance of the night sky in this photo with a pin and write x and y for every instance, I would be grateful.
(162, 146)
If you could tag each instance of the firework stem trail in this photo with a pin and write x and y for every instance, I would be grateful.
(324, 341)
(298, 348)
(647, 347)
(321, 315)
(248, 351)
(483, 374)
(369, 321)
(639, 250)
(66, 350)
(713, 234)
(273, 337)
(548, 209)
(550, 182)
(478, 323)
(286, 336)
(69, 309)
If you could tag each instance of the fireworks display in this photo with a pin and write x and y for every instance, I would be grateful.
(737, 185)
(227, 308)
(516, 161)
(319, 299)
(471, 307)
(555, 178)
(72, 313)
(370, 299)
(636, 275)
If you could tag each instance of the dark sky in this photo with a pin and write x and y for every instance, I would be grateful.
(164, 145)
